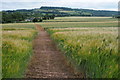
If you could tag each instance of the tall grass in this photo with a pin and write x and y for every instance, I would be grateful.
(16, 49)
(90, 43)
(95, 52)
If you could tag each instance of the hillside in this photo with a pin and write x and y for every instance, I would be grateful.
(77, 12)
(45, 13)
(64, 11)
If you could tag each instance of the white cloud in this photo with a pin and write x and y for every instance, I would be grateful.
(90, 4)
(61, 1)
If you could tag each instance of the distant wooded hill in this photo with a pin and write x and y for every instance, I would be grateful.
(51, 12)
(64, 11)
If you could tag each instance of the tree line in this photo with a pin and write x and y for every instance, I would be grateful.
(116, 16)
(15, 17)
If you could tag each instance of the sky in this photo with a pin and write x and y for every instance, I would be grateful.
(84, 4)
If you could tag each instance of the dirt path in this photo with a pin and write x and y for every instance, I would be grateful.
(47, 61)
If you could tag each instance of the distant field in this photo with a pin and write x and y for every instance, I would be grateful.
(80, 22)
(16, 48)
(18, 26)
(82, 19)
(88, 43)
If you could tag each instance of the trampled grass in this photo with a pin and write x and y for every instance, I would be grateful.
(16, 49)
(91, 46)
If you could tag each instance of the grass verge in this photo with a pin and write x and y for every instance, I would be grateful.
(16, 50)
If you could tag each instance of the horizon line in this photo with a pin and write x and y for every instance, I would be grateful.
(57, 6)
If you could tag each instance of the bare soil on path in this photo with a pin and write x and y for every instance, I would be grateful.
(47, 61)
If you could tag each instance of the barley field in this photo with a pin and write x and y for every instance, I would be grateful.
(16, 48)
(64, 22)
(91, 44)
(82, 19)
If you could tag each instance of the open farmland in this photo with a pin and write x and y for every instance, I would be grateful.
(94, 49)
(82, 19)
(86, 47)
(80, 22)
(89, 45)
(16, 48)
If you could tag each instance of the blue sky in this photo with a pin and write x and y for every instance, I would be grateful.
(85, 4)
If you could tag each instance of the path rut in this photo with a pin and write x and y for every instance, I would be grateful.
(47, 61)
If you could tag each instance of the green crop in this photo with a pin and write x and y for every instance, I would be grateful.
(16, 49)
(94, 50)
(89, 43)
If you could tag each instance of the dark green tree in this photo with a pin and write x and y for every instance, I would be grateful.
(52, 16)
(10, 17)
(35, 20)
(40, 20)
